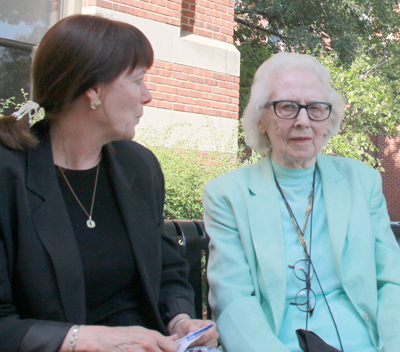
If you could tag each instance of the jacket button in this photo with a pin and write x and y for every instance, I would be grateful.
(366, 317)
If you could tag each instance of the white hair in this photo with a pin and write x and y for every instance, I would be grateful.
(262, 90)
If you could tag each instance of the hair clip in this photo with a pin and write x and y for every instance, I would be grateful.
(31, 107)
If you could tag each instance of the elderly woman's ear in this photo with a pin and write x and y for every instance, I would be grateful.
(261, 127)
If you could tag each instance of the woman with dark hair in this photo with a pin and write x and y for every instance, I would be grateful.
(302, 257)
(85, 263)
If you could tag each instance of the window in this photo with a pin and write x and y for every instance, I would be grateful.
(22, 25)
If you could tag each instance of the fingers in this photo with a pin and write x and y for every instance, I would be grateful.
(168, 344)
(151, 341)
(174, 337)
(210, 338)
(124, 339)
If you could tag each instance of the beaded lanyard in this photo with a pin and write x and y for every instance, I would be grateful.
(300, 232)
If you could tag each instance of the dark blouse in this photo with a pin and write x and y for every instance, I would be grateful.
(113, 290)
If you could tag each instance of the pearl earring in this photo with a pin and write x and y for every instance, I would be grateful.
(95, 104)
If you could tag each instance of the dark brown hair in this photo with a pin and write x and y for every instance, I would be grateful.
(74, 55)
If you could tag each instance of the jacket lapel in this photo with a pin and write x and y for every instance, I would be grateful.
(135, 214)
(337, 204)
(266, 232)
(51, 221)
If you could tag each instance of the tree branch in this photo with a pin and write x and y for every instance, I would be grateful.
(250, 24)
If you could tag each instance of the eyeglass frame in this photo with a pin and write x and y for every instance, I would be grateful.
(308, 288)
(300, 106)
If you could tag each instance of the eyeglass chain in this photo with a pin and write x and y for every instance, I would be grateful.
(309, 210)
(90, 222)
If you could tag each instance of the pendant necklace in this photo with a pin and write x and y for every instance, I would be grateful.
(300, 232)
(90, 222)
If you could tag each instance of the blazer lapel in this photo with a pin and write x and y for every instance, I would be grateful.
(266, 232)
(51, 221)
(337, 203)
(135, 213)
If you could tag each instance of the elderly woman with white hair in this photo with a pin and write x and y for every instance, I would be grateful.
(302, 256)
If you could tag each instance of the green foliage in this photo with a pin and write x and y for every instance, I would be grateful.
(186, 173)
(372, 104)
(341, 25)
(252, 56)
(5, 104)
(185, 169)
(353, 145)
(8, 106)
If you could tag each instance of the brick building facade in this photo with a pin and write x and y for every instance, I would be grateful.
(195, 76)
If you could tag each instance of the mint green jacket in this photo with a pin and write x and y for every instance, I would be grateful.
(247, 265)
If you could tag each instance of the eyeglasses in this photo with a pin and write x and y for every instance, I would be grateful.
(305, 298)
(287, 109)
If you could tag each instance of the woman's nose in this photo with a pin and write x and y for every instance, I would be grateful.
(146, 95)
(302, 118)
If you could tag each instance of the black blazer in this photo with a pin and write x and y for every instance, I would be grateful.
(42, 291)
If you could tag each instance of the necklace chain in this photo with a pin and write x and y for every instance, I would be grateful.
(300, 232)
(90, 222)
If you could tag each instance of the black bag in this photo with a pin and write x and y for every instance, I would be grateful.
(311, 342)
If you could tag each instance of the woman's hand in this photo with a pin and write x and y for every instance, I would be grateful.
(120, 339)
(210, 338)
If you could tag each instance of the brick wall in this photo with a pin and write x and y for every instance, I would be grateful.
(156, 10)
(389, 152)
(213, 19)
(188, 89)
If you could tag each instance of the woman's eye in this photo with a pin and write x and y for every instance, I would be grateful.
(315, 107)
(288, 106)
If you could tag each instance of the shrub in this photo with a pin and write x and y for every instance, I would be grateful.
(187, 170)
